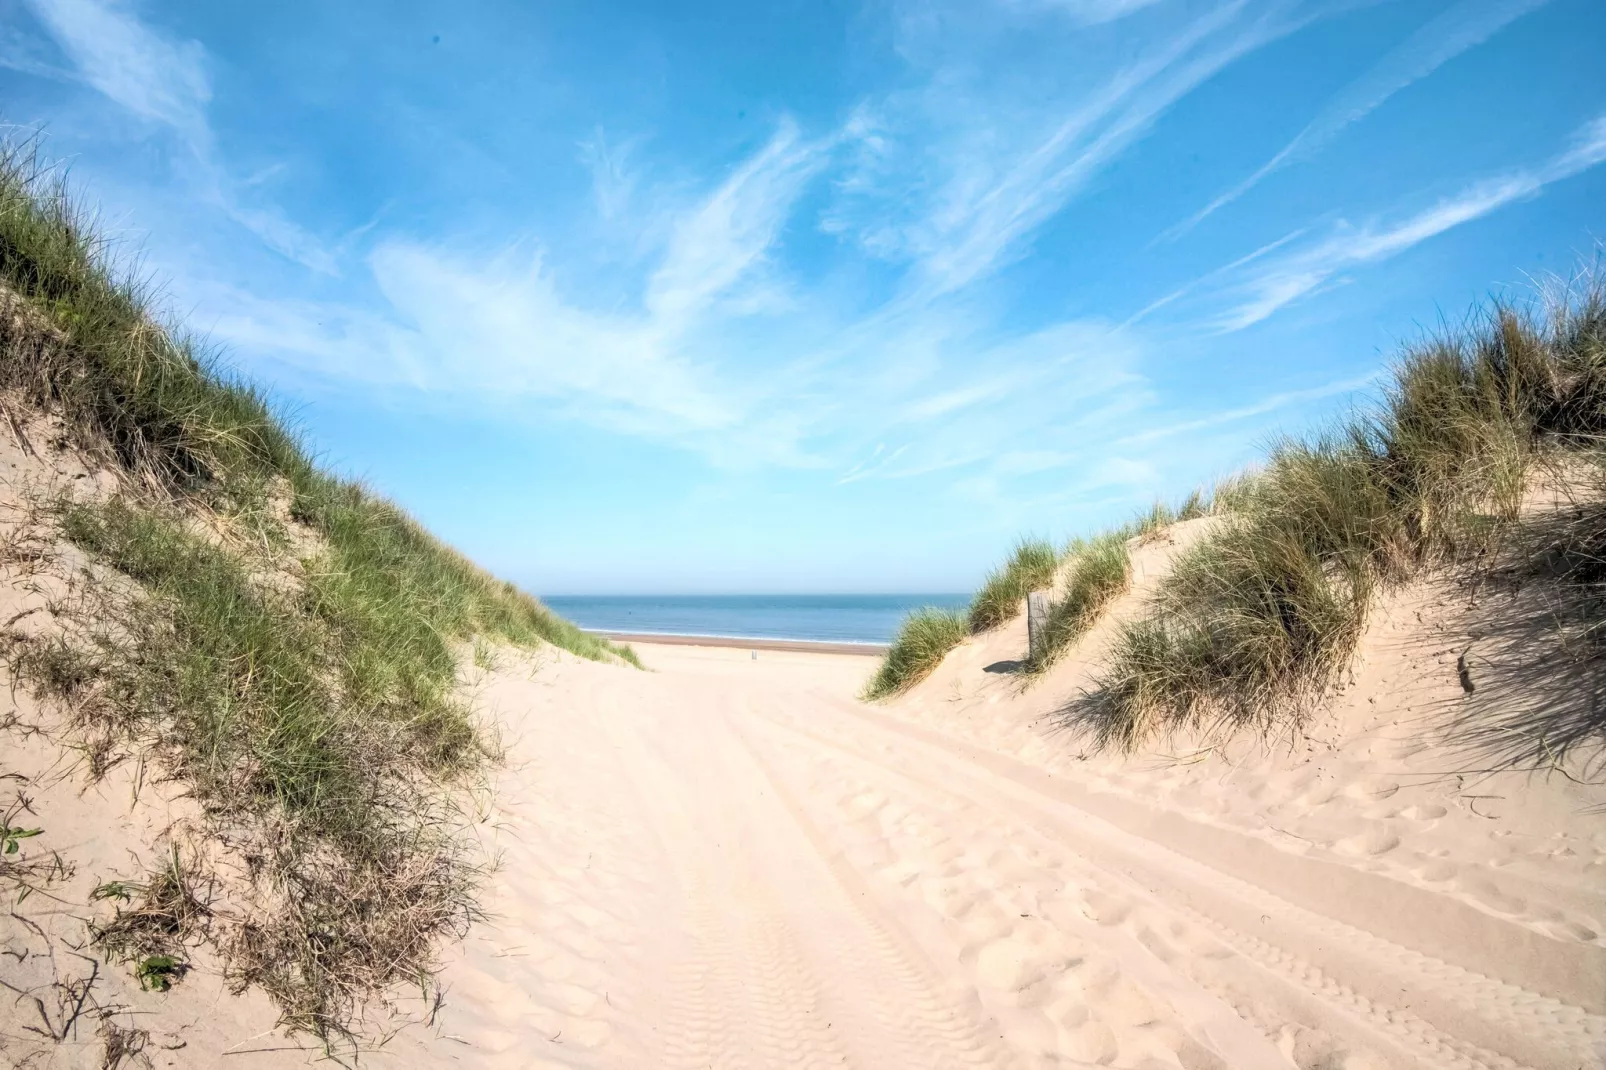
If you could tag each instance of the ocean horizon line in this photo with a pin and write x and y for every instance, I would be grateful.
(615, 633)
(863, 619)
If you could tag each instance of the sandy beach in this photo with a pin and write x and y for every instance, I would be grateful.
(801, 646)
(724, 861)
(1163, 443)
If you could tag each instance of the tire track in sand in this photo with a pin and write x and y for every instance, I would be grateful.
(1418, 1010)
(770, 962)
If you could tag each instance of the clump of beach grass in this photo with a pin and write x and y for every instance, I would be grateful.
(925, 637)
(1030, 567)
(1259, 619)
(156, 918)
(1100, 570)
(300, 673)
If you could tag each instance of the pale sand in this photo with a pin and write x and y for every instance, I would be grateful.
(733, 862)
(806, 646)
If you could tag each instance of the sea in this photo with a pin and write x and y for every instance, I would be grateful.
(834, 618)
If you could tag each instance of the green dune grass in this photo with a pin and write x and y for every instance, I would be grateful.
(294, 644)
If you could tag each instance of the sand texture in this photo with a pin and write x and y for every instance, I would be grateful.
(730, 862)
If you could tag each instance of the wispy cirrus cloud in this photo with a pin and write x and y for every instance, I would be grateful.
(114, 52)
(706, 335)
(678, 362)
(472, 324)
(724, 238)
(985, 174)
(166, 82)
(1269, 404)
(1461, 27)
(1084, 12)
(1273, 277)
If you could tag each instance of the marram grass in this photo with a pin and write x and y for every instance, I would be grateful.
(1100, 570)
(1031, 567)
(924, 639)
(1256, 622)
(305, 689)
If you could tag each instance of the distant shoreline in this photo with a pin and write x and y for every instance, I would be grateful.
(805, 646)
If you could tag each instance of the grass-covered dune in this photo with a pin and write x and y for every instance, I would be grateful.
(1256, 621)
(290, 643)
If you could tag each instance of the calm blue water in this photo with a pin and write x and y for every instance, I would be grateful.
(839, 618)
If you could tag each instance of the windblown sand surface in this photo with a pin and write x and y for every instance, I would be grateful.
(733, 862)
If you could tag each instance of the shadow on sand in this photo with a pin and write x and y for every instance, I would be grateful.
(1532, 664)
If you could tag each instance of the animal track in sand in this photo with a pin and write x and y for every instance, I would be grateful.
(1424, 812)
(1319, 794)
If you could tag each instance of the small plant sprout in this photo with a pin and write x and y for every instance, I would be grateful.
(12, 837)
(156, 973)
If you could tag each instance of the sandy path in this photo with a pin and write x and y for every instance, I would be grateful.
(732, 863)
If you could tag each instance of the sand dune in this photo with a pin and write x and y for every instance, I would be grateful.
(733, 862)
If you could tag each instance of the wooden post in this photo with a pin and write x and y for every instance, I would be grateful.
(1036, 621)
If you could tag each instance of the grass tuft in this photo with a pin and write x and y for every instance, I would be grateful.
(1030, 568)
(293, 643)
(1100, 571)
(1256, 621)
(924, 639)
(156, 919)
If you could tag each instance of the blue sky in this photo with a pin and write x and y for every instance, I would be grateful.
(815, 296)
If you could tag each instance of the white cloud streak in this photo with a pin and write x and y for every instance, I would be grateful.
(1085, 12)
(1275, 282)
(166, 82)
(728, 234)
(710, 342)
(1463, 26)
(1003, 172)
(156, 79)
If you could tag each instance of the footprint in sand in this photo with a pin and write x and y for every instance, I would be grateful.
(1011, 964)
(1105, 909)
(948, 898)
(1495, 899)
(1438, 871)
(1368, 844)
(1423, 812)
(1091, 1042)
(1562, 929)
(1371, 790)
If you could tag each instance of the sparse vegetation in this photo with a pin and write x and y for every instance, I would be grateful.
(925, 637)
(24, 871)
(1256, 621)
(163, 914)
(1030, 567)
(1100, 570)
(293, 642)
